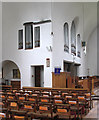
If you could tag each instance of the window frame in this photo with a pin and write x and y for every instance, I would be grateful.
(20, 41)
(16, 74)
(73, 38)
(31, 37)
(35, 37)
(66, 38)
(78, 46)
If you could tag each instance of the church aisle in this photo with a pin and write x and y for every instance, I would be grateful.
(94, 112)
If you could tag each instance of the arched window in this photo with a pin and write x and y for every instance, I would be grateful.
(78, 46)
(73, 38)
(66, 38)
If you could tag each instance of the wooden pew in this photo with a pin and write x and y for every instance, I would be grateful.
(40, 93)
(5, 87)
(18, 115)
(74, 106)
(63, 112)
(43, 111)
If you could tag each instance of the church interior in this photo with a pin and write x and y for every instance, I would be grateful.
(49, 60)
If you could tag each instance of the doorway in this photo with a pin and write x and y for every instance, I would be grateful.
(70, 67)
(37, 76)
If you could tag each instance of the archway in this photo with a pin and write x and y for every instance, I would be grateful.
(11, 74)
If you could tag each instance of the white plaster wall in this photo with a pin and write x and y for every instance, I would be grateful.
(97, 38)
(86, 13)
(8, 70)
(32, 76)
(89, 61)
(91, 37)
(82, 69)
(92, 53)
(14, 15)
(0, 39)
(65, 12)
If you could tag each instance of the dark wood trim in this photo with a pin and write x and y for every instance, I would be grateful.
(58, 89)
(41, 22)
(28, 48)
(28, 23)
(21, 30)
(36, 23)
(20, 48)
(37, 46)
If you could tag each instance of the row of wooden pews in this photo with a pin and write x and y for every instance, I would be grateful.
(90, 83)
(44, 103)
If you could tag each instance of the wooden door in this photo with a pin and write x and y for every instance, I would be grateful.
(37, 76)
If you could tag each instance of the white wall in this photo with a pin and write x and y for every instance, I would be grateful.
(98, 38)
(8, 70)
(82, 70)
(32, 76)
(65, 12)
(86, 22)
(92, 53)
(89, 61)
(14, 15)
(0, 39)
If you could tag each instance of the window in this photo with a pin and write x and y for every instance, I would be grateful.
(73, 38)
(78, 46)
(66, 38)
(16, 74)
(37, 36)
(20, 39)
(28, 36)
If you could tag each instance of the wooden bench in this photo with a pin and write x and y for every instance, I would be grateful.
(43, 111)
(75, 108)
(18, 115)
(63, 112)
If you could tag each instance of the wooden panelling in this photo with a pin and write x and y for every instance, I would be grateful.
(5, 87)
(71, 82)
(57, 89)
(16, 84)
(93, 84)
(59, 80)
(85, 84)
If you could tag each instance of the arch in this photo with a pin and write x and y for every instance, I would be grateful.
(76, 21)
(73, 38)
(66, 37)
(78, 45)
(10, 70)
